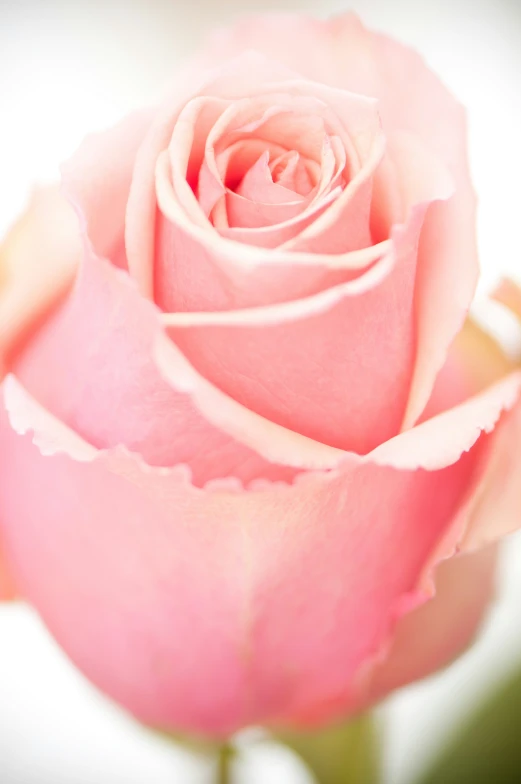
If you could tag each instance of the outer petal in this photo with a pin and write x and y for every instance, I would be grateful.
(38, 260)
(228, 608)
(431, 636)
(495, 511)
(195, 606)
(411, 98)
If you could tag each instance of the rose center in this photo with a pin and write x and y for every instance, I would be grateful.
(270, 170)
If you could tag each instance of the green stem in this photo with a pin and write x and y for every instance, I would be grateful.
(343, 754)
(224, 764)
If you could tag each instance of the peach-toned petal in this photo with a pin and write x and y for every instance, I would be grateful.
(204, 625)
(340, 375)
(508, 294)
(496, 508)
(97, 181)
(7, 586)
(38, 261)
(480, 357)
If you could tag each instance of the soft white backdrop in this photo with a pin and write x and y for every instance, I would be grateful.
(70, 67)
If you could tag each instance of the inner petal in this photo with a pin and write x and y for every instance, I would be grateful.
(290, 171)
(240, 156)
(273, 164)
(259, 202)
(257, 185)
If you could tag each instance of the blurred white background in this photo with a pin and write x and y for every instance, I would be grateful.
(70, 67)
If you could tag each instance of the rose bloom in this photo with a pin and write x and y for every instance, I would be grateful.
(233, 457)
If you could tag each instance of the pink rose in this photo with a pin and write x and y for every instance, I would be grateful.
(230, 467)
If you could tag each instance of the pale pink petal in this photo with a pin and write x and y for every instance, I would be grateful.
(258, 185)
(258, 201)
(97, 181)
(38, 261)
(290, 171)
(207, 623)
